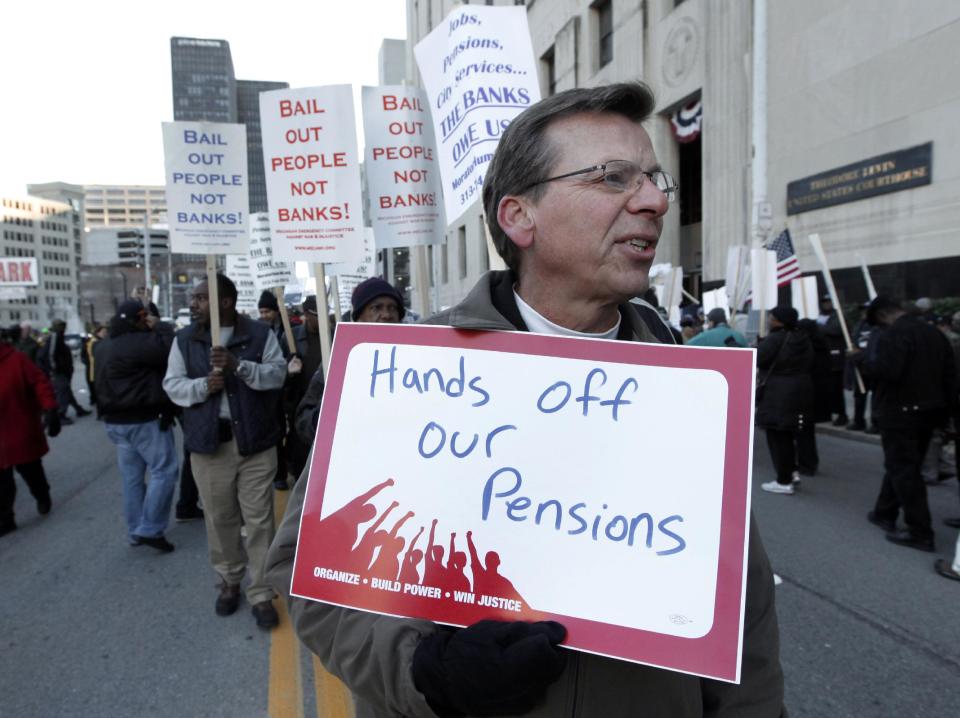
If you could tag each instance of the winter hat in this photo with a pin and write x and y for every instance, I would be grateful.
(131, 310)
(787, 316)
(370, 289)
(268, 300)
(717, 316)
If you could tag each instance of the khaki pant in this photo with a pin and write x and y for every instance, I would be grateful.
(238, 491)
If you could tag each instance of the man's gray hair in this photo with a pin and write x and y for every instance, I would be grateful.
(524, 156)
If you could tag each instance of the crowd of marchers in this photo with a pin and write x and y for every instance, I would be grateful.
(574, 199)
(246, 406)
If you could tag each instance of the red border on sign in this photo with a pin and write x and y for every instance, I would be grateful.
(715, 654)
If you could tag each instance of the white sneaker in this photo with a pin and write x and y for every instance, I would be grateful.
(796, 479)
(774, 488)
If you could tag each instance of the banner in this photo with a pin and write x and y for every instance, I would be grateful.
(18, 272)
(403, 182)
(238, 269)
(527, 482)
(312, 170)
(479, 72)
(206, 175)
(267, 271)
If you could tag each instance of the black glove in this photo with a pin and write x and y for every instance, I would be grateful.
(52, 422)
(491, 668)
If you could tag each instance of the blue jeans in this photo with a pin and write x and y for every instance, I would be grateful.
(146, 504)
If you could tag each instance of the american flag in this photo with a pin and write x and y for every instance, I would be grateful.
(787, 265)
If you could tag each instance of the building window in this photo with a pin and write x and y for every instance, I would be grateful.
(444, 264)
(604, 11)
(690, 180)
(462, 251)
(548, 69)
(485, 250)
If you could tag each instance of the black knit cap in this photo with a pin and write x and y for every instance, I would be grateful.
(787, 316)
(370, 289)
(268, 300)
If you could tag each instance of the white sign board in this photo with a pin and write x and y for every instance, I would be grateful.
(738, 276)
(403, 182)
(312, 170)
(763, 278)
(716, 299)
(805, 298)
(206, 175)
(479, 71)
(18, 272)
(519, 451)
(350, 275)
(11, 293)
(238, 269)
(267, 271)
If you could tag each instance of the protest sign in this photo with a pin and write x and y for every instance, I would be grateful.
(527, 482)
(348, 276)
(403, 182)
(206, 175)
(267, 271)
(763, 278)
(479, 72)
(238, 269)
(716, 299)
(18, 272)
(804, 297)
(312, 170)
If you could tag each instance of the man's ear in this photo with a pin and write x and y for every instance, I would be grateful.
(515, 216)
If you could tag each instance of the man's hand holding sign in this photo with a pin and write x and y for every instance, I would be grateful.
(527, 495)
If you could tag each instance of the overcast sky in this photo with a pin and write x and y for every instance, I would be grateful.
(87, 84)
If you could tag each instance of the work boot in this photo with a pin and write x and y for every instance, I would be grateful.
(229, 599)
(265, 614)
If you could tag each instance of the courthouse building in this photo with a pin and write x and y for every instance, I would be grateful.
(861, 114)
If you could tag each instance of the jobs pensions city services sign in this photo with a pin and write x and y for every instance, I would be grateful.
(891, 172)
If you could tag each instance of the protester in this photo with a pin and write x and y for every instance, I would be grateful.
(25, 342)
(719, 333)
(57, 359)
(829, 322)
(373, 300)
(28, 402)
(936, 467)
(785, 394)
(86, 355)
(912, 368)
(579, 238)
(808, 457)
(130, 366)
(307, 337)
(269, 310)
(860, 339)
(230, 394)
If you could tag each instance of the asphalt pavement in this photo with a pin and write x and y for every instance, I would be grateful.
(94, 627)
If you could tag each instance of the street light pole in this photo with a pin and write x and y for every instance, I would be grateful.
(146, 255)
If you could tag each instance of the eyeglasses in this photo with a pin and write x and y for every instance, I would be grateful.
(620, 175)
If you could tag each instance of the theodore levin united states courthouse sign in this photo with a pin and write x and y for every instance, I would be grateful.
(891, 172)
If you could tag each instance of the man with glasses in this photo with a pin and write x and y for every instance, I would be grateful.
(574, 200)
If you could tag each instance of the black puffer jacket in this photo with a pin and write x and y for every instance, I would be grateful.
(784, 367)
(912, 366)
(130, 365)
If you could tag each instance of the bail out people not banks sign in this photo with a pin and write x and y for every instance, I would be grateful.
(527, 482)
(403, 182)
(207, 200)
(479, 72)
(312, 170)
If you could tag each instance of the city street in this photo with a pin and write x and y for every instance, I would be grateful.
(94, 627)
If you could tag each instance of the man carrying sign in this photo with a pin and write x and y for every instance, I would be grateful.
(575, 200)
(230, 393)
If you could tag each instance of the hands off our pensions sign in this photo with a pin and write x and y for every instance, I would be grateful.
(534, 478)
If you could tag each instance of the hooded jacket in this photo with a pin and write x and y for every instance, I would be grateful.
(128, 377)
(373, 654)
(25, 392)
